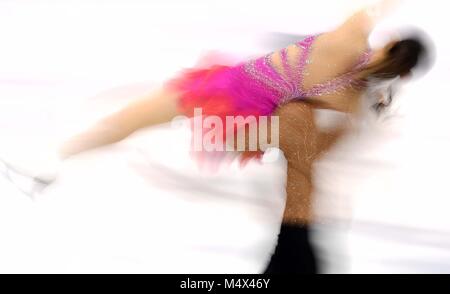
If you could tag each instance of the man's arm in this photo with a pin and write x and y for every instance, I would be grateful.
(328, 139)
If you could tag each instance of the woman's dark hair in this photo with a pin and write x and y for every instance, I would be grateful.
(400, 60)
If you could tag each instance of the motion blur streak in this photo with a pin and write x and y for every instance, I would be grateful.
(142, 205)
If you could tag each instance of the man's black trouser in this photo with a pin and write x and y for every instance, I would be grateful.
(294, 253)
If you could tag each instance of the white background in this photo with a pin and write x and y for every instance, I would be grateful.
(142, 205)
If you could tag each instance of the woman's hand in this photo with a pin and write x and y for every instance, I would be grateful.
(379, 10)
(363, 22)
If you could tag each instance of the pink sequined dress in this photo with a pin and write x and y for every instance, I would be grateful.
(253, 88)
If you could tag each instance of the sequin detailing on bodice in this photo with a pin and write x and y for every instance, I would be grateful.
(286, 83)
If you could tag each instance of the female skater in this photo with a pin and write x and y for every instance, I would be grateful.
(331, 70)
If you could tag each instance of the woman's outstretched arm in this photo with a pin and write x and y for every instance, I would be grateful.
(363, 22)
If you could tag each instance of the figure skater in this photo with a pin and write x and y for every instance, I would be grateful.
(302, 143)
(331, 70)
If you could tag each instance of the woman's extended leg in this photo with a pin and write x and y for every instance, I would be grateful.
(156, 108)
